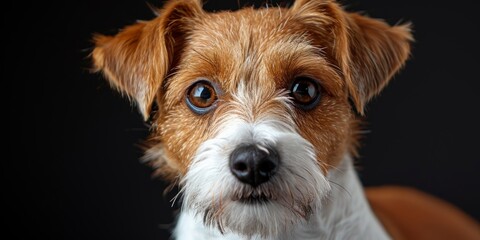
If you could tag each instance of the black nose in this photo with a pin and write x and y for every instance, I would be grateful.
(254, 165)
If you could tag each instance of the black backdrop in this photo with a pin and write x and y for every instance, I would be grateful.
(72, 168)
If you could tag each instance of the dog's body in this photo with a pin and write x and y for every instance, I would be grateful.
(255, 121)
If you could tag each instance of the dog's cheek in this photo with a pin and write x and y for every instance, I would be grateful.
(328, 128)
(182, 132)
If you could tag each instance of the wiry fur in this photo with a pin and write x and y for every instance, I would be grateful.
(252, 56)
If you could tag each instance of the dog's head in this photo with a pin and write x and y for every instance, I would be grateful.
(254, 105)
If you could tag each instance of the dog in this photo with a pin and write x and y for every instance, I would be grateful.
(258, 120)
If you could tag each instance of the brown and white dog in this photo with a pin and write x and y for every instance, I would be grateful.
(256, 124)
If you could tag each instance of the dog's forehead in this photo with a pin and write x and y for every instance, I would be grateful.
(254, 22)
(248, 45)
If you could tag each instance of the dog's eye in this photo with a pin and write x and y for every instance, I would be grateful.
(201, 96)
(306, 92)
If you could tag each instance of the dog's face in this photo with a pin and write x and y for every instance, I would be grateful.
(253, 105)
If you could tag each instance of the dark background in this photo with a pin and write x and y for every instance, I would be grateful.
(72, 168)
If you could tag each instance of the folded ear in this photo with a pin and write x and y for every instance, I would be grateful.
(138, 58)
(368, 51)
(377, 51)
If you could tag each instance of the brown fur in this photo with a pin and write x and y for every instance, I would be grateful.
(352, 56)
(409, 214)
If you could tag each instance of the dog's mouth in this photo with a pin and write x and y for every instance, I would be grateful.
(254, 198)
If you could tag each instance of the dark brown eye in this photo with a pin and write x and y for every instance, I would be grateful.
(201, 96)
(306, 92)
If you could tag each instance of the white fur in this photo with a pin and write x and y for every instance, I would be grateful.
(210, 186)
(344, 214)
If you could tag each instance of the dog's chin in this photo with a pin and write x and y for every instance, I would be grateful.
(256, 215)
(267, 210)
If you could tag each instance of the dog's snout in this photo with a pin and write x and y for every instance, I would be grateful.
(254, 165)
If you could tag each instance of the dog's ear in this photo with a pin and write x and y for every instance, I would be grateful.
(377, 51)
(368, 51)
(138, 58)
